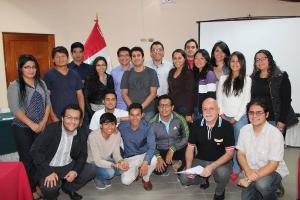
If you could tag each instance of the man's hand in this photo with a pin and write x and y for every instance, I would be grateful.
(232, 121)
(143, 169)
(71, 175)
(208, 170)
(189, 118)
(35, 127)
(251, 174)
(160, 166)
(244, 182)
(169, 157)
(51, 180)
(123, 165)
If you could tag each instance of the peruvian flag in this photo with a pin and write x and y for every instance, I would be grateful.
(95, 46)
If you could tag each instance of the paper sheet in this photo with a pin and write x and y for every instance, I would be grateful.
(194, 170)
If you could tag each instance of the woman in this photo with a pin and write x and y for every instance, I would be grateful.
(205, 80)
(96, 85)
(219, 58)
(180, 82)
(273, 86)
(29, 102)
(233, 95)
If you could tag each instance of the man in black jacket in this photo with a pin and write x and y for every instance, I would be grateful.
(60, 154)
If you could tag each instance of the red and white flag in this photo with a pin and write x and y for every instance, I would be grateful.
(95, 46)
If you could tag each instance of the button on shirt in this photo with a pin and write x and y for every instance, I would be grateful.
(162, 73)
(62, 156)
(260, 149)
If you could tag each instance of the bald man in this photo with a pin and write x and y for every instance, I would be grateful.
(214, 140)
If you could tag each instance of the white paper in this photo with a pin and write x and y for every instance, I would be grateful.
(194, 170)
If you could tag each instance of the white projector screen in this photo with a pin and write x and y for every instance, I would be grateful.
(281, 36)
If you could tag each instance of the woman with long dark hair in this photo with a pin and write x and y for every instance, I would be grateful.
(29, 101)
(273, 87)
(233, 95)
(97, 83)
(219, 58)
(205, 80)
(180, 82)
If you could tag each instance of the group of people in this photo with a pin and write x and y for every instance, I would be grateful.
(148, 117)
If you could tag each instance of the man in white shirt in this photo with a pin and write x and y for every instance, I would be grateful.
(260, 153)
(160, 65)
(110, 102)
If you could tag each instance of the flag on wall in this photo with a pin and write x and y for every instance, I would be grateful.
(95, 45)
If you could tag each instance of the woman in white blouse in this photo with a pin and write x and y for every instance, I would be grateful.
(233, 94)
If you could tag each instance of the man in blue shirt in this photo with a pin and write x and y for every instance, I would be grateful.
(139, 146)
(77, 65)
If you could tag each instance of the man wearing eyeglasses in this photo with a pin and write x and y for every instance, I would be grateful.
(60, 154)
(260, 153)
(171, 134)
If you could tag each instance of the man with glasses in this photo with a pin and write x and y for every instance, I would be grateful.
(260, 153)
(171, 135)
(160, 65)
(60, 154)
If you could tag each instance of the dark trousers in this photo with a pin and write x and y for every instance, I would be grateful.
(178, 155)
(87, 173)
(24, 137)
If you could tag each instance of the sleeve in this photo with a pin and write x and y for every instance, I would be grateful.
(150, 144)
(194, 129)
(111, 84)
(220, 93)
(93, 145)
(189, 81)
(154, 79)
(47, 80)
(13, 98)
(211, 81)
(241, 140)
(124, 81)
(245, 98)
(285, 97)
(79, 84)
(276, 148)
(94, 124)
(116, 152)
(81, 159)
(184, 136)
(48, 101)
(229, 142)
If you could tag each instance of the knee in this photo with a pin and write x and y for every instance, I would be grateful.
(263, 185)
(51, 191)
(127, 180)
(222, 173)
(110, 174)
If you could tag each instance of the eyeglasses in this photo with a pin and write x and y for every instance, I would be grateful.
(157, 50)
(164, 106)
(257, 113)
(29, 67)
(70, 118)
(261, 59)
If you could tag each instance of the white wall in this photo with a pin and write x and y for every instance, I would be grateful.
(125, 22)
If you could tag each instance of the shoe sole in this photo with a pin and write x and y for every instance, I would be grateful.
(100, 188)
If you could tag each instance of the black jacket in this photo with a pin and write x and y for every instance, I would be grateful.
(46, 144)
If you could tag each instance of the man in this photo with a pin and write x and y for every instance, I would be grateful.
(214, 140)
(104, 151)
(171, 136)
(160, 65)
(139, 85)
(64, 85)
(60, 156)
(190, 48)
(110, 101)
(81, 68)
(139, 147)
(117, 74)
(260, 153)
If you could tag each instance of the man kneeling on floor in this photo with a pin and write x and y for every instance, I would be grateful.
(139, 146)
(214, 140)
(60, 154)
(104, 151)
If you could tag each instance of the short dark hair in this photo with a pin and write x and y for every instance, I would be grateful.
(110, 92)
(259, 102)
(108, 118)
(191, 40)
(139, 49)
(135, 106)
(165, 96)
(73, 107)
(157, 43)
(77, 45)
(59, 49)
(123, 49)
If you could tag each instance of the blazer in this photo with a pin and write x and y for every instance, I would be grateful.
(46, 144)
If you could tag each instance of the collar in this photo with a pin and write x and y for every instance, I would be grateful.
(160, 120)
(219, 122)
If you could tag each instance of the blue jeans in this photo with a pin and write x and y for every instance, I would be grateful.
(264, 188)
(221, 175)
(106, 173)
(236, 128)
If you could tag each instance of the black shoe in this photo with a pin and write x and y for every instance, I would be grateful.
(219, 197)
(205, 185)
(72, 195)
(280, 190)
